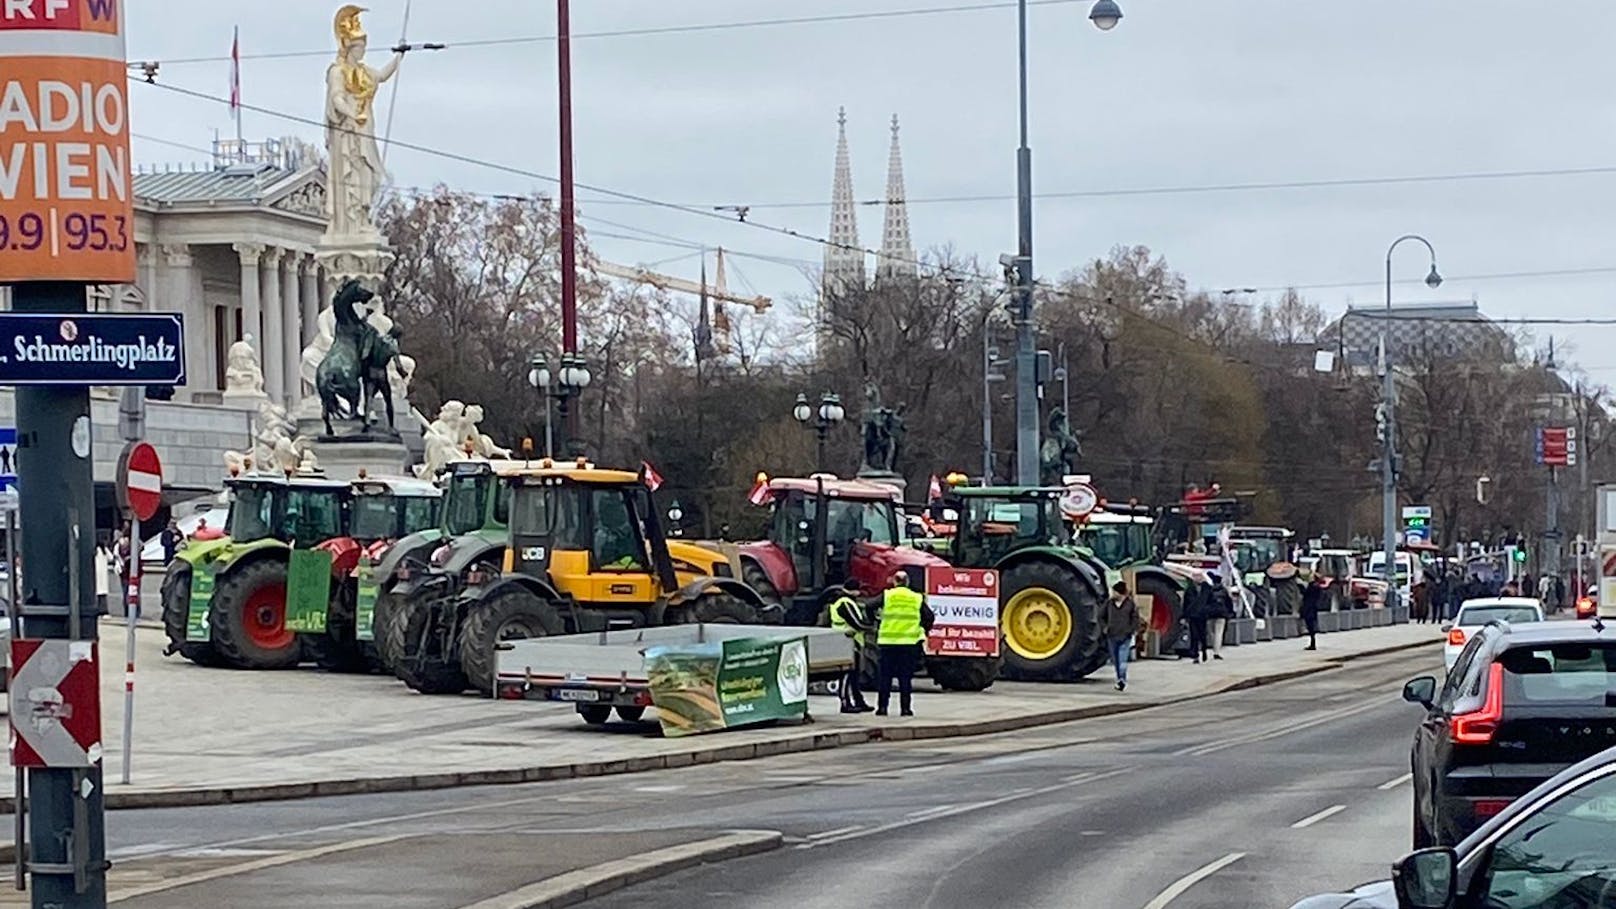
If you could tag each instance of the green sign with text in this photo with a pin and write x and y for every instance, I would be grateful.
(709, 687)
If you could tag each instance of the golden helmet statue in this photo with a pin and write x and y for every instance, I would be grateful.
(347, 24)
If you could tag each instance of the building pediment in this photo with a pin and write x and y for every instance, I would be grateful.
(302, 194)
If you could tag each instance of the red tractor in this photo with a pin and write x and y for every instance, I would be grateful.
(823, 531)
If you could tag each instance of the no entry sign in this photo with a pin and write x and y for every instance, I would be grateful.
(140, 480)
(966, 603)
(55, 692)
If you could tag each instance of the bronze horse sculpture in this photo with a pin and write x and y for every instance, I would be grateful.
(356, 366)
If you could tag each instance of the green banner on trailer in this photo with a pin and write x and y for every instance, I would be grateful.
(308, 590)
(365, 600)
(711, 687)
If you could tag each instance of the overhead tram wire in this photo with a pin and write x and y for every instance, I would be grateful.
(649, 31)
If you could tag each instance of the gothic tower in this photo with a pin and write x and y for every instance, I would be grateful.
(844, 259)
(897, 251)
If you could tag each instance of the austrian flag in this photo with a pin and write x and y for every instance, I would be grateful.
(652, 478)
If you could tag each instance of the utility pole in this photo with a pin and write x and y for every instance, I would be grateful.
(569, 230)
(1387, 422)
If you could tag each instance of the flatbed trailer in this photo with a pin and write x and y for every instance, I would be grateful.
(600, 671)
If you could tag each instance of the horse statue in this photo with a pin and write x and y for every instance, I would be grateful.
(340, 376)
(1058, 454)
(377, 353)
(877, 438)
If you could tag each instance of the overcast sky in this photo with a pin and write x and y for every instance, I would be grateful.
(1183, 93)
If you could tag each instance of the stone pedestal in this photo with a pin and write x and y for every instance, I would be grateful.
(343, 458)
(885, 478)
(246, 400)
(363, 257)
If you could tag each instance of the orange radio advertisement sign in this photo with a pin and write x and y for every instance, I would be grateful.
(66, 209)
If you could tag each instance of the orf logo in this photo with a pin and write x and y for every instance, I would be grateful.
(69, 330)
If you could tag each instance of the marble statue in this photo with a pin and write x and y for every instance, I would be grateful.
(399, 376)
(275, 445)
(482, 446)
(355, 160)
(242, 375)
(442, 438)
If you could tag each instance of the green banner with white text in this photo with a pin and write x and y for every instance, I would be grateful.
(710, 687)
(308, 590)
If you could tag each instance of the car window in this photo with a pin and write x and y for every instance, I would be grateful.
(1563, 854)
(1481, 615)
(1567, 673)
(1459, 677)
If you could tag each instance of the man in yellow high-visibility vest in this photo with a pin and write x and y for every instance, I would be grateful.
(904, 619)
(849, 615)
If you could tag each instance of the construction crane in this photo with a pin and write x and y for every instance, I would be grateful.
(717, 292)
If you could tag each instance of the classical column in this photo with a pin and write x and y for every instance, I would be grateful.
(310, 297)
(274, 348)
(177, 292)
(252, 313)
(292, 319)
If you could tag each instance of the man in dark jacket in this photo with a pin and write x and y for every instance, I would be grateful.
(1197, 601)
(1122, 622)
(1312, 602)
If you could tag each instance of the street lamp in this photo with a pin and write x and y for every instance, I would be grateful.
(1105, 15)
(1387, 421)
(675, 515)
(562, 385)
(829, 414)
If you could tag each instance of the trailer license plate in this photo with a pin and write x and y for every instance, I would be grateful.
(576, 694)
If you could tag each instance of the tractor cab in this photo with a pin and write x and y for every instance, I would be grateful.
(1119, 535)
(390, 508)
(594, 533)
(295, 509)
(995, 522)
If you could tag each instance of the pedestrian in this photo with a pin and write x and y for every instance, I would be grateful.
(1219, 611)
(1559, 593)
(904, 620)
(1122, 622)
(171, 538)
(121, 554)
(1510, 589)
(849, 616)
(103, 567)
(1312, 601)
(1197, 600)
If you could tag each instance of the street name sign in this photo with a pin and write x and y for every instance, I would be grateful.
(92, 349)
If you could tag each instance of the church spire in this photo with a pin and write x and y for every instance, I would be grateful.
(897, 252)
(844, 260)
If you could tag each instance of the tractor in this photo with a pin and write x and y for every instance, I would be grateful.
(1123, 538)
(225, 601)
(1051, 592)
(383, 510)
(471, 527)
(585, 551)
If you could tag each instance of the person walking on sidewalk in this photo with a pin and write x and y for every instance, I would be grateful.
(905, 617)
(1312, 601)
(1220, 609)
(1122, 622)
(849, 616)
(1196, 602)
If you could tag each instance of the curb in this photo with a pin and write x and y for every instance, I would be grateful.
(597, 880)
(227, 795)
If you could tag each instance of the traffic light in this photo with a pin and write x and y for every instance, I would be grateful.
(1380, 423)
(1520, 555)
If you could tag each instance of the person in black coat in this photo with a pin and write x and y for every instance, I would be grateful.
(1312, 602)
(1197, 603)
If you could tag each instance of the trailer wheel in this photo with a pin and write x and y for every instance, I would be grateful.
(248, 617)
(420, 662)
(630, 714)
(513, 614)
(595, 714)
(176, 598)
(964, 673)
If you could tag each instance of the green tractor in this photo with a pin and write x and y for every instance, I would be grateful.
(225, 601)
(1123, 538)
(1051, 592)
(471, 525)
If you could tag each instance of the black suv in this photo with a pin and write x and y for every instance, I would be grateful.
(1519, 705)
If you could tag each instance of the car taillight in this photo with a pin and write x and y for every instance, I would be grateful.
(1490, 807)
(1478, 727)
(1585, 607)
(1456, 637)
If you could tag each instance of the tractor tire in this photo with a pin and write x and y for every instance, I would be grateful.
(595, 714)
(176, 598)
(753, 575)
(718, 609)
(512, 615)
(338, 650)
(964, 673)
(630, 714)
(248, 618)
(1166, 610)
(383, 613)
(1055, 633)
(410, 648)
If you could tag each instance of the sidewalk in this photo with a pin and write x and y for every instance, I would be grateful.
(209, 736)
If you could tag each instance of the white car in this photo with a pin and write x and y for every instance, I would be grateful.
(1475, 613)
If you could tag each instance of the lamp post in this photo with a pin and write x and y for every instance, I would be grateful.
(990, 359)
(1386, 422)
(829, 414)
(1105, 15)
(559, 386)
(675, 515)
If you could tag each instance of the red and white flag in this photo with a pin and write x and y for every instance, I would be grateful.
(935, 490)
(652, 478)
(235, 72)
(760, 494)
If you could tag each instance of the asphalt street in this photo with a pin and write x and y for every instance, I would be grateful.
(1247, 799)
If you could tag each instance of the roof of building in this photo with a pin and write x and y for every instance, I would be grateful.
(236, 183)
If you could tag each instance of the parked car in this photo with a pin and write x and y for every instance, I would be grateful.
(1549, 849)
(1475, 613)
(1521, 703)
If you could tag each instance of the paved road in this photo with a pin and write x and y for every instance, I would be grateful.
(1241, 800)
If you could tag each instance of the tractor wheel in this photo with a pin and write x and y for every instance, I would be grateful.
(512, 615)
(176, 610)
(717, 609)
(756, 578)
(410, 644)
(338, 650)
(595, 714)
(1166, 608)
(1050, 624)
(389, 645)
(630, 714)
(248, 618)
(964, 673)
